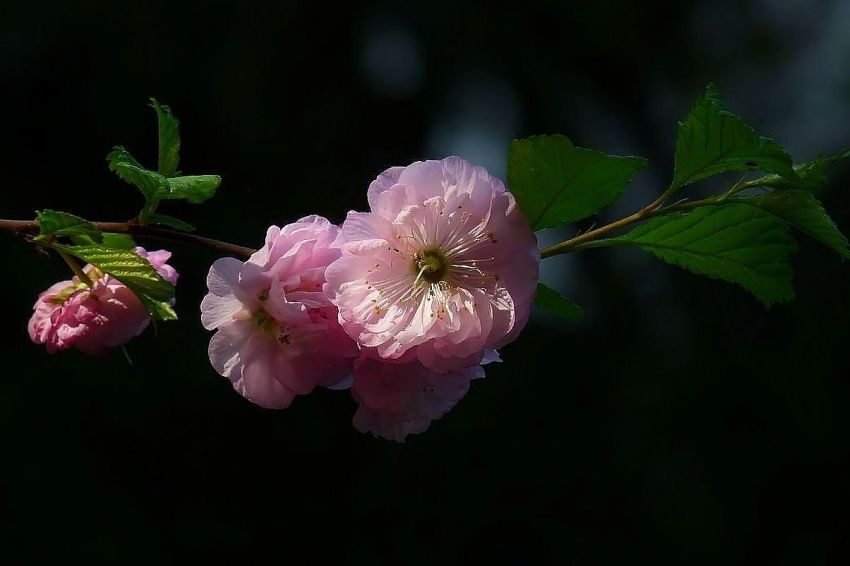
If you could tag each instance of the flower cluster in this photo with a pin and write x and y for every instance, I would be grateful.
(404, 304)
(93, 318)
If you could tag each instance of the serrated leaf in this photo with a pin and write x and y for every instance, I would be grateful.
(169, 139)
(193, 188)
(57, 223)
(712, 140)
(805, 213)
(171, 222)
(552, 301)
(556, 183)
(133, 271)
(734, 242)
(810, 176)
(151, 183)
(159, 310)
(156, 187)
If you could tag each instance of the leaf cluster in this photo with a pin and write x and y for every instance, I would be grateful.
(113, 253)
(742, 235)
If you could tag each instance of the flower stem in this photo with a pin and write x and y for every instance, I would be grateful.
(143, 231)
(75, 267)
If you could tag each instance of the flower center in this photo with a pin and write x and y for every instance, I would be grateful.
(431, 263)
(265, 322)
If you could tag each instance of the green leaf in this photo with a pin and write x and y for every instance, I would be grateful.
(56, 223)
(169, 139)
(734, 242)
(133, 271)
(151, 183)
(118, 241)
(110, 240)
(712, 140)
(159, 310)
(556, 183)
(171, 222)
(810, 176)
(805, 213)
(552, 301)
(193, 188)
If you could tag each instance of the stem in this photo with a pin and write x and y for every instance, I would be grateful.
(593, 238)
(580, 242)
(644, 213)
(161, 234)
(75, 267)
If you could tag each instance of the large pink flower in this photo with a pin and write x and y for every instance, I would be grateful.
(70, 314)
(443, 268)
(278, 334)
(395, 400)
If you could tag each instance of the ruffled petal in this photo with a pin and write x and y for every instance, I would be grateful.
(396, 400)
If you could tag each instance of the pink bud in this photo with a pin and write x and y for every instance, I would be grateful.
(93, 319)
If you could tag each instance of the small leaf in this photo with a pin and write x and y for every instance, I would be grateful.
(193, 188)
(56, 223)
(118, 241)
(805, 213)
(159, 310)
(810, 176)
(712, 140)
(171, 222)
(110, 240)
(169, 139)
(151, 183)
(552, 301)
(734, 242)
(556, 183)
(133, 271)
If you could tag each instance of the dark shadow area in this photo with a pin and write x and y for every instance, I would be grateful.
(680, 423)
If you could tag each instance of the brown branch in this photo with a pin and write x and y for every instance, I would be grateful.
(160, 234)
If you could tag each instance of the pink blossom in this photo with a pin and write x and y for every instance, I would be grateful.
(400, 399)
(158, 259)
(278, 334)
(443, 268)
(70, 314)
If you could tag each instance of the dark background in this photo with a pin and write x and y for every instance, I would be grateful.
(680, 423)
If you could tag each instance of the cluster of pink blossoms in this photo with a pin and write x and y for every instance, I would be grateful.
(93, 319)
(404, 304)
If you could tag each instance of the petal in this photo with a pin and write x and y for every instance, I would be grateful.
(218, 310)
(226, 346)
(366, 226)
(285, 312)
(384, 181)
(224, 276)
(396, 400)
(258, 375)
(261, 257)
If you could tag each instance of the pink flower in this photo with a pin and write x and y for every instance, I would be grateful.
(443, 268)
(278, 334)
(400, 399)
(70, 314)
(158, 260)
